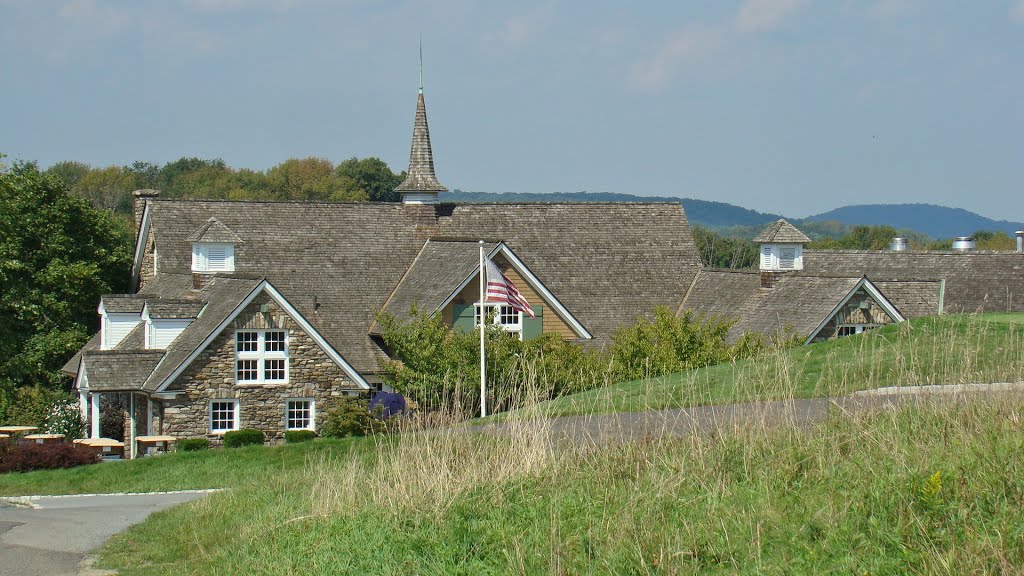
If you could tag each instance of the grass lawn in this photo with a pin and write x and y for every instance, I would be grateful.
(954, 349)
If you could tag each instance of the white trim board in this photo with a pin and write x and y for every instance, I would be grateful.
(140, 245)
(266, 286)
(534, 283)
(873, 292)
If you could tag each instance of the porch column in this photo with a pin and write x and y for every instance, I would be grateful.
(149, 416)
(131, 431)
(95, 398)
(83, 405)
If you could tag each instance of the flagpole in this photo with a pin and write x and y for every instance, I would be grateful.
(483, 320)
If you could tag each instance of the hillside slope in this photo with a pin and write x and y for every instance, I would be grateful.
(935, 221)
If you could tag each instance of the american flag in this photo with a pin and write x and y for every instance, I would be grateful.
(501, 289)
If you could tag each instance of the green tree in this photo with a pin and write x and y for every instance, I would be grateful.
(69, 172)
(370, 177)
(57, 256)
(722, 252)
(107, 188)
(171, 178)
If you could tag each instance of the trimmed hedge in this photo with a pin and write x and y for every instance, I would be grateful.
(192, 445)
(25, 457)
(296, 436)
(243, 437)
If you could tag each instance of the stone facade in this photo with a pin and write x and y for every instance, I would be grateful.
(311, 374)
(147, 271)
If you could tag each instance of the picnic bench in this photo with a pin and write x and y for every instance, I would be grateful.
(43, 438)
(107, 448)
(148, 445)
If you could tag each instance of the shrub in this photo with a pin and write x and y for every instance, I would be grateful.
(112, 416)
(350, 417)
(30, 405)
(192, 444)
(296, 436)
(25, 457)
(243, 437)
(65, 418)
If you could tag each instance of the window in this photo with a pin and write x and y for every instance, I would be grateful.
(501, 315)
(787, 258)
(299, 414)
(851, 329)
(211, 257)
(261, 356)
(223, 415)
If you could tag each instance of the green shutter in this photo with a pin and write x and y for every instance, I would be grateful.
(462, 317)
(532, 327)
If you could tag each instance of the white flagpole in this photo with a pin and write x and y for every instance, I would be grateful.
(483, 319)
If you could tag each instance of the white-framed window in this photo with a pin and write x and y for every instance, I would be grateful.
(299, 414)
(851, 329)
(223, 415)
(510, 319)
(213, 257)
(261, 356)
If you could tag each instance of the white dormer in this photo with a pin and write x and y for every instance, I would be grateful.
(213, 257)
(782, 257)
(213, 247)
(118, 317)
(782, 247)
(166, 320)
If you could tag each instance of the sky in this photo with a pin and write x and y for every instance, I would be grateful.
(786, 106)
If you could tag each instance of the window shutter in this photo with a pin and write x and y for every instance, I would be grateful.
(787, 258)
(462, 317)
(217, 257)
(766, 257)
(532, 327)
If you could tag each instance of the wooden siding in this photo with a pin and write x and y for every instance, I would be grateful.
(471, 293)
(852, 313)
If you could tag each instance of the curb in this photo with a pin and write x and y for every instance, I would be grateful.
(27, 501)
(942, 389)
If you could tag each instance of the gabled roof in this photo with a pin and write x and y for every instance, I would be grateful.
(436, 274)
(122, 303)
(914, 299)
(338, 263)
(214, 230)
(978, 281)
(781, 232)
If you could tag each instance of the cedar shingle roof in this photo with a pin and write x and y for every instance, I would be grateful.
(122, 303)
(420, 176)
(214, 230)
(606, 262)
(980, 281)
(169, 309)
(439, 269)
(913, 299)
(782, 232)
(110, 370)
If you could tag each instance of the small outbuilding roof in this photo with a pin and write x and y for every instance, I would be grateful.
(214, 230)
(782, 232)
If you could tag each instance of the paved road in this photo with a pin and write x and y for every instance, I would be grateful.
(52, 537)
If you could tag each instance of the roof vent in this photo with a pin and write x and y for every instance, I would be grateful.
(898, 244)
(963, 243)
(1020, 240)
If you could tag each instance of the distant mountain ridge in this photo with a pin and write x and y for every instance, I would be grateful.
(927, 219)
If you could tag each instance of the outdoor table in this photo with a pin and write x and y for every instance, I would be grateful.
(160, 443)
(18, 430)
(44, 438)
(105, 447)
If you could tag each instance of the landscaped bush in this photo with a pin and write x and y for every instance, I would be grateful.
(192, 444)
(65, 418)
(243, 437)
(25, 457)
(30, 405)
(350, 417)
(296, 436)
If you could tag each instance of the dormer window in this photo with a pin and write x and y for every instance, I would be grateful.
(213, 257)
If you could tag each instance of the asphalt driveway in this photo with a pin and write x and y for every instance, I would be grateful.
(50, 535)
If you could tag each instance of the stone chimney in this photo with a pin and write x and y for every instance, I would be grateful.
(139, 205)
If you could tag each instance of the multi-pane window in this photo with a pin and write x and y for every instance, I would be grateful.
(851, 329)
(261, 356)
(501, 315)
(223, 415)
(299, 414)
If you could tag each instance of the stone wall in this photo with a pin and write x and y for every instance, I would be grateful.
(312, 374)
(147, 270)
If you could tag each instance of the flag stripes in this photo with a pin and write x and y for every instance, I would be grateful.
(501, 289)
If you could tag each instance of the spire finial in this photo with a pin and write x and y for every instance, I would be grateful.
(421, 63)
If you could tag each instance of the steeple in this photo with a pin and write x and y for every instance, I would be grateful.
(421, 185)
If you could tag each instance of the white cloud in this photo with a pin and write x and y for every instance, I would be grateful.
(1017, 11)
(524, 26)
(232, 5)
(97, 17)
(688, 44)
(758, 15)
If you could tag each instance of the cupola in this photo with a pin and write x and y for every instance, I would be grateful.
(782, 250)
(213, 248)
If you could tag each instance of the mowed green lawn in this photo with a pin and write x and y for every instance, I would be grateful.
(954, 349)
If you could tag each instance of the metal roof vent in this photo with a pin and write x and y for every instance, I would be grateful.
(963, 243)
(1020, 240)
(898, 244)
